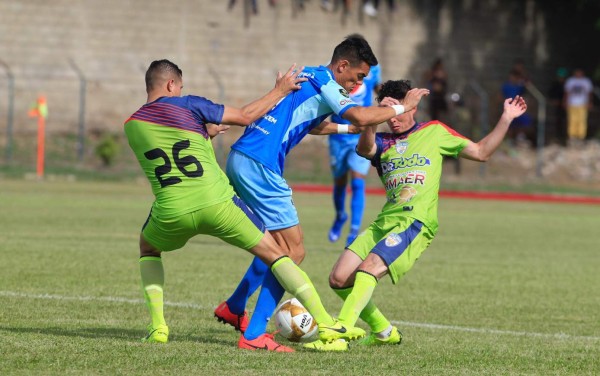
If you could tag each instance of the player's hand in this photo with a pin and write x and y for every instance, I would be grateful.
(215, 130)
(413, 97)
(388, 102)
(515, 107)
(290, 81)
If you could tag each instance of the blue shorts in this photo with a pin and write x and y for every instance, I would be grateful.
(264, 191)
(343, 158)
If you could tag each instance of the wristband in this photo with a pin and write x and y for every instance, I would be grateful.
(398, 108)
(342, 128)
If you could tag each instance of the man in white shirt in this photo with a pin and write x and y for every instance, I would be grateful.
(578, 100)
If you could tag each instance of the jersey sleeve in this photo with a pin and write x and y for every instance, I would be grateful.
(337, 97)
(379, 144)
(206, 110)
(450, 141)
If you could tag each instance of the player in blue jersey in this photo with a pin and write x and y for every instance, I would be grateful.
(171, 142)
(344, 161)
(409, 161)
(256, 162)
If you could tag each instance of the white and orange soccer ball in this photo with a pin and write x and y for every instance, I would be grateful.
(294, 322)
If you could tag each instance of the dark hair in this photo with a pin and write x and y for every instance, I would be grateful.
(160, 70)
(355, 49)
(395, 89)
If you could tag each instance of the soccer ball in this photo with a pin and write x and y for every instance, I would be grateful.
(294, 322)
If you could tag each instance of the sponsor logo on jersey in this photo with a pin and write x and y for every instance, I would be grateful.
(411, 177)
(258, 128)
(344, 102)
(344, 93)
(415, 160)
(306, 74)
(401, 146)
(270, 119)
(393, 240)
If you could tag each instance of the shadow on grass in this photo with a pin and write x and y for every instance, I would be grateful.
(123, 334)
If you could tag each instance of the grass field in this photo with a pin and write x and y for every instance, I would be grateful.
(505, 289)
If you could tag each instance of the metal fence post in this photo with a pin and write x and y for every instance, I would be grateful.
(483, 115)
(541, 128)
(82, 93)
(10, 111)
(221, 99)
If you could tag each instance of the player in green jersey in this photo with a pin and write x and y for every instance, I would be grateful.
(171, 141)
(409, 163)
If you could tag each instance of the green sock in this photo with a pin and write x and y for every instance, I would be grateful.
(153, 279)
(370, 314)
(297, 283)
(357, 300)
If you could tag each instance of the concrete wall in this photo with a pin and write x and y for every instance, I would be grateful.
(113, 41)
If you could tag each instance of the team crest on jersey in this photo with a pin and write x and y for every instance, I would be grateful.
(344, 93)
(401, 146)
(393, 240)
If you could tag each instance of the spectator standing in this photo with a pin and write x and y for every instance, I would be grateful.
(578, 101)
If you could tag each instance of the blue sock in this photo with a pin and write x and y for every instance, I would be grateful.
(247, 286)
(270, 295)
(339, 199)
(358, 203)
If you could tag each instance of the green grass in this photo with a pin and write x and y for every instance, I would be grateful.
(505, 289)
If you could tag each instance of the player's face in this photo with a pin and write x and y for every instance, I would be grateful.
(351, 76)
(402, 123)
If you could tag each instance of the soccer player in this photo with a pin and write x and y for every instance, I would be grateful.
(344, 161)
(409, 163)
(170, 139)
(255, 169)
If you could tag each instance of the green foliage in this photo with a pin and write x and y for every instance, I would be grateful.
(506, 288)
(108, 149)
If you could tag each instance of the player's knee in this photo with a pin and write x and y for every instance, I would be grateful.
(297, 254)
(337, 280)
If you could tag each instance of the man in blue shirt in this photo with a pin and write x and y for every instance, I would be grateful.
(256, 163)
(344, 160)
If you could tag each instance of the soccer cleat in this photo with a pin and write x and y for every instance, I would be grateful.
(159, 334)
(339, 331)
(337, 345)
(395, 338)
(224, 315)
(336, 228)
(351, 236)
(263, 342)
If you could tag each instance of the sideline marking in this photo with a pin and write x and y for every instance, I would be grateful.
(112, 299)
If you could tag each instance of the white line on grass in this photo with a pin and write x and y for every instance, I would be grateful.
(112, 299)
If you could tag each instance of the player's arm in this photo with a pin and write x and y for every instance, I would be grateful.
(327, 127)
(369, 116)
(366, 146)
(284, 84)
(482, 151)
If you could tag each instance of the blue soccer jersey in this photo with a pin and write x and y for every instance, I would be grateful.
(269, 139)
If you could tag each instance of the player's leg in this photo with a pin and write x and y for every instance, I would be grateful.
(359, 168)
(290, 241)
(395, 254)
(156, 237)
(339, 170)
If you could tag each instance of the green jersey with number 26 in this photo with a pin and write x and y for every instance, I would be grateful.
(171, 143)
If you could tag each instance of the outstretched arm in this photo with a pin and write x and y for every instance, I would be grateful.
(483, 150)
(284, 84)
(327, 128)
(369, 116)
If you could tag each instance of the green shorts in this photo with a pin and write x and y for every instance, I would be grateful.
(399, 241)
(230, 221)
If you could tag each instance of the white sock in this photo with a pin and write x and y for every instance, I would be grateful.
(385, 334)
